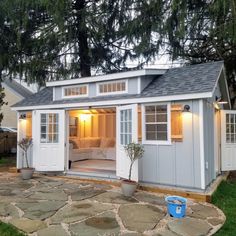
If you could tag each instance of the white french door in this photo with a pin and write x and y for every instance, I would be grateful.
(228, 140)
(49, 140)
(127, 132)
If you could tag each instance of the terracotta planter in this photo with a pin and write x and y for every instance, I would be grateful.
(27, 173)
(128, 187)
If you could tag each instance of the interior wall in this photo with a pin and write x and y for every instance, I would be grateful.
(95, 125)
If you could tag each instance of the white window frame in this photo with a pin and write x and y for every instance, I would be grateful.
(75, 86)
(156, 142)
(46, 124)
(112, 82)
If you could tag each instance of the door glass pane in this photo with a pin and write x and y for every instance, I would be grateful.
(43, 118)
(125, 126)
(49, 128)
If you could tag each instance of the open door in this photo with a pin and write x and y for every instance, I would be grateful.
(49, 140)
(127, 132)
(228, 140)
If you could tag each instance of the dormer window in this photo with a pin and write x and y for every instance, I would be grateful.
(75, 91)
(113, 87)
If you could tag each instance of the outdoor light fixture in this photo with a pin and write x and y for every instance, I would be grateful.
(22, 116)
(219, 100)
(186, 109)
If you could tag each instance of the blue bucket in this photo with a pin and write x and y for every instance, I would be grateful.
(176, 206)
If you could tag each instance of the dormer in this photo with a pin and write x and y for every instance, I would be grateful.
(131, 82)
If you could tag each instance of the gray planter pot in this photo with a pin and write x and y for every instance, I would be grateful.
(128, 187)
(27, 173)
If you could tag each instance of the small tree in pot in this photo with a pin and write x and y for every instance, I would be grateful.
(24, 144)
(134, 151)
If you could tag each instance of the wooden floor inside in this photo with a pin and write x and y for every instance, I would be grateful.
(100, 166)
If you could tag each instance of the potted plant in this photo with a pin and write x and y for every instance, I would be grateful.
(24, 144)
(134, 151)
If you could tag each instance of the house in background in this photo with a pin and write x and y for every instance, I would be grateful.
(177, 114)
(14, 92)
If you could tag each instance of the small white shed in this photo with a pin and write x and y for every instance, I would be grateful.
(80, 126)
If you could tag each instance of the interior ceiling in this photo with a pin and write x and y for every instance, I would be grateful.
(93, 111)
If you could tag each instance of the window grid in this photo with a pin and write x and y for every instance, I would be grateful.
(230, 128)
(49, 128)
(76, 91)
(112, 87)
(125, 126)
(156, 123)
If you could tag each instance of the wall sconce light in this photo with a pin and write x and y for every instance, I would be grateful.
(219, 100)
(22, 116)
(186, 109)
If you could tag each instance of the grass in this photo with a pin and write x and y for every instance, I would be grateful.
(6, 162)
(9, 230)
(225, 199)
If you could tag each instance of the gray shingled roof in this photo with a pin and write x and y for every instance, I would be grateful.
(198, 78)
(17, 87)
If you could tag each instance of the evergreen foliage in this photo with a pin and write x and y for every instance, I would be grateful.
(203, 30)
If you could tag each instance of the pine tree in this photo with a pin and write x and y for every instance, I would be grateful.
(67, 38)
(200, 31)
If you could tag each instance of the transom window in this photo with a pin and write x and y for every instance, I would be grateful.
(125, 126)
(230, 128)
(75, 91)
(112, 87)
(156, 122)
(49, 128)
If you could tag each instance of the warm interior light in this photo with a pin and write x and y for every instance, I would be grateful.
(84, 117)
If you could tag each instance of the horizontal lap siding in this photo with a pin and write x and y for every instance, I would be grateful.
(177, 164)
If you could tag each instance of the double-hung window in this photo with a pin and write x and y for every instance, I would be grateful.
(156, 123)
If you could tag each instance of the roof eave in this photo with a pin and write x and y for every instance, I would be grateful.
(114, 76)
(117, 102)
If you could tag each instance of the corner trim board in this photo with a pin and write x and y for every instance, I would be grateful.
(201, 131)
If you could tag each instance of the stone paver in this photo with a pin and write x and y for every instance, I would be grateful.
(82, 194)
(8, 210)
(56, 195)
(104, 224)
(40, 210)
(28, 226)
(203, 211)
(150, 198)
(215, 221)
(68, 207)
(189, 227)
(79, 211)
(140, 218)
(114, 197)
(166, 232)
(53, 230)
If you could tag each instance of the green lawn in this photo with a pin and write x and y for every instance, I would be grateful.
(9, 230)
(225, 199)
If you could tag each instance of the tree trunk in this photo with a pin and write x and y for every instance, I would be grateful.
(82, 37)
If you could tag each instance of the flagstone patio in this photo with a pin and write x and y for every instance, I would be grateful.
(69, 207)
